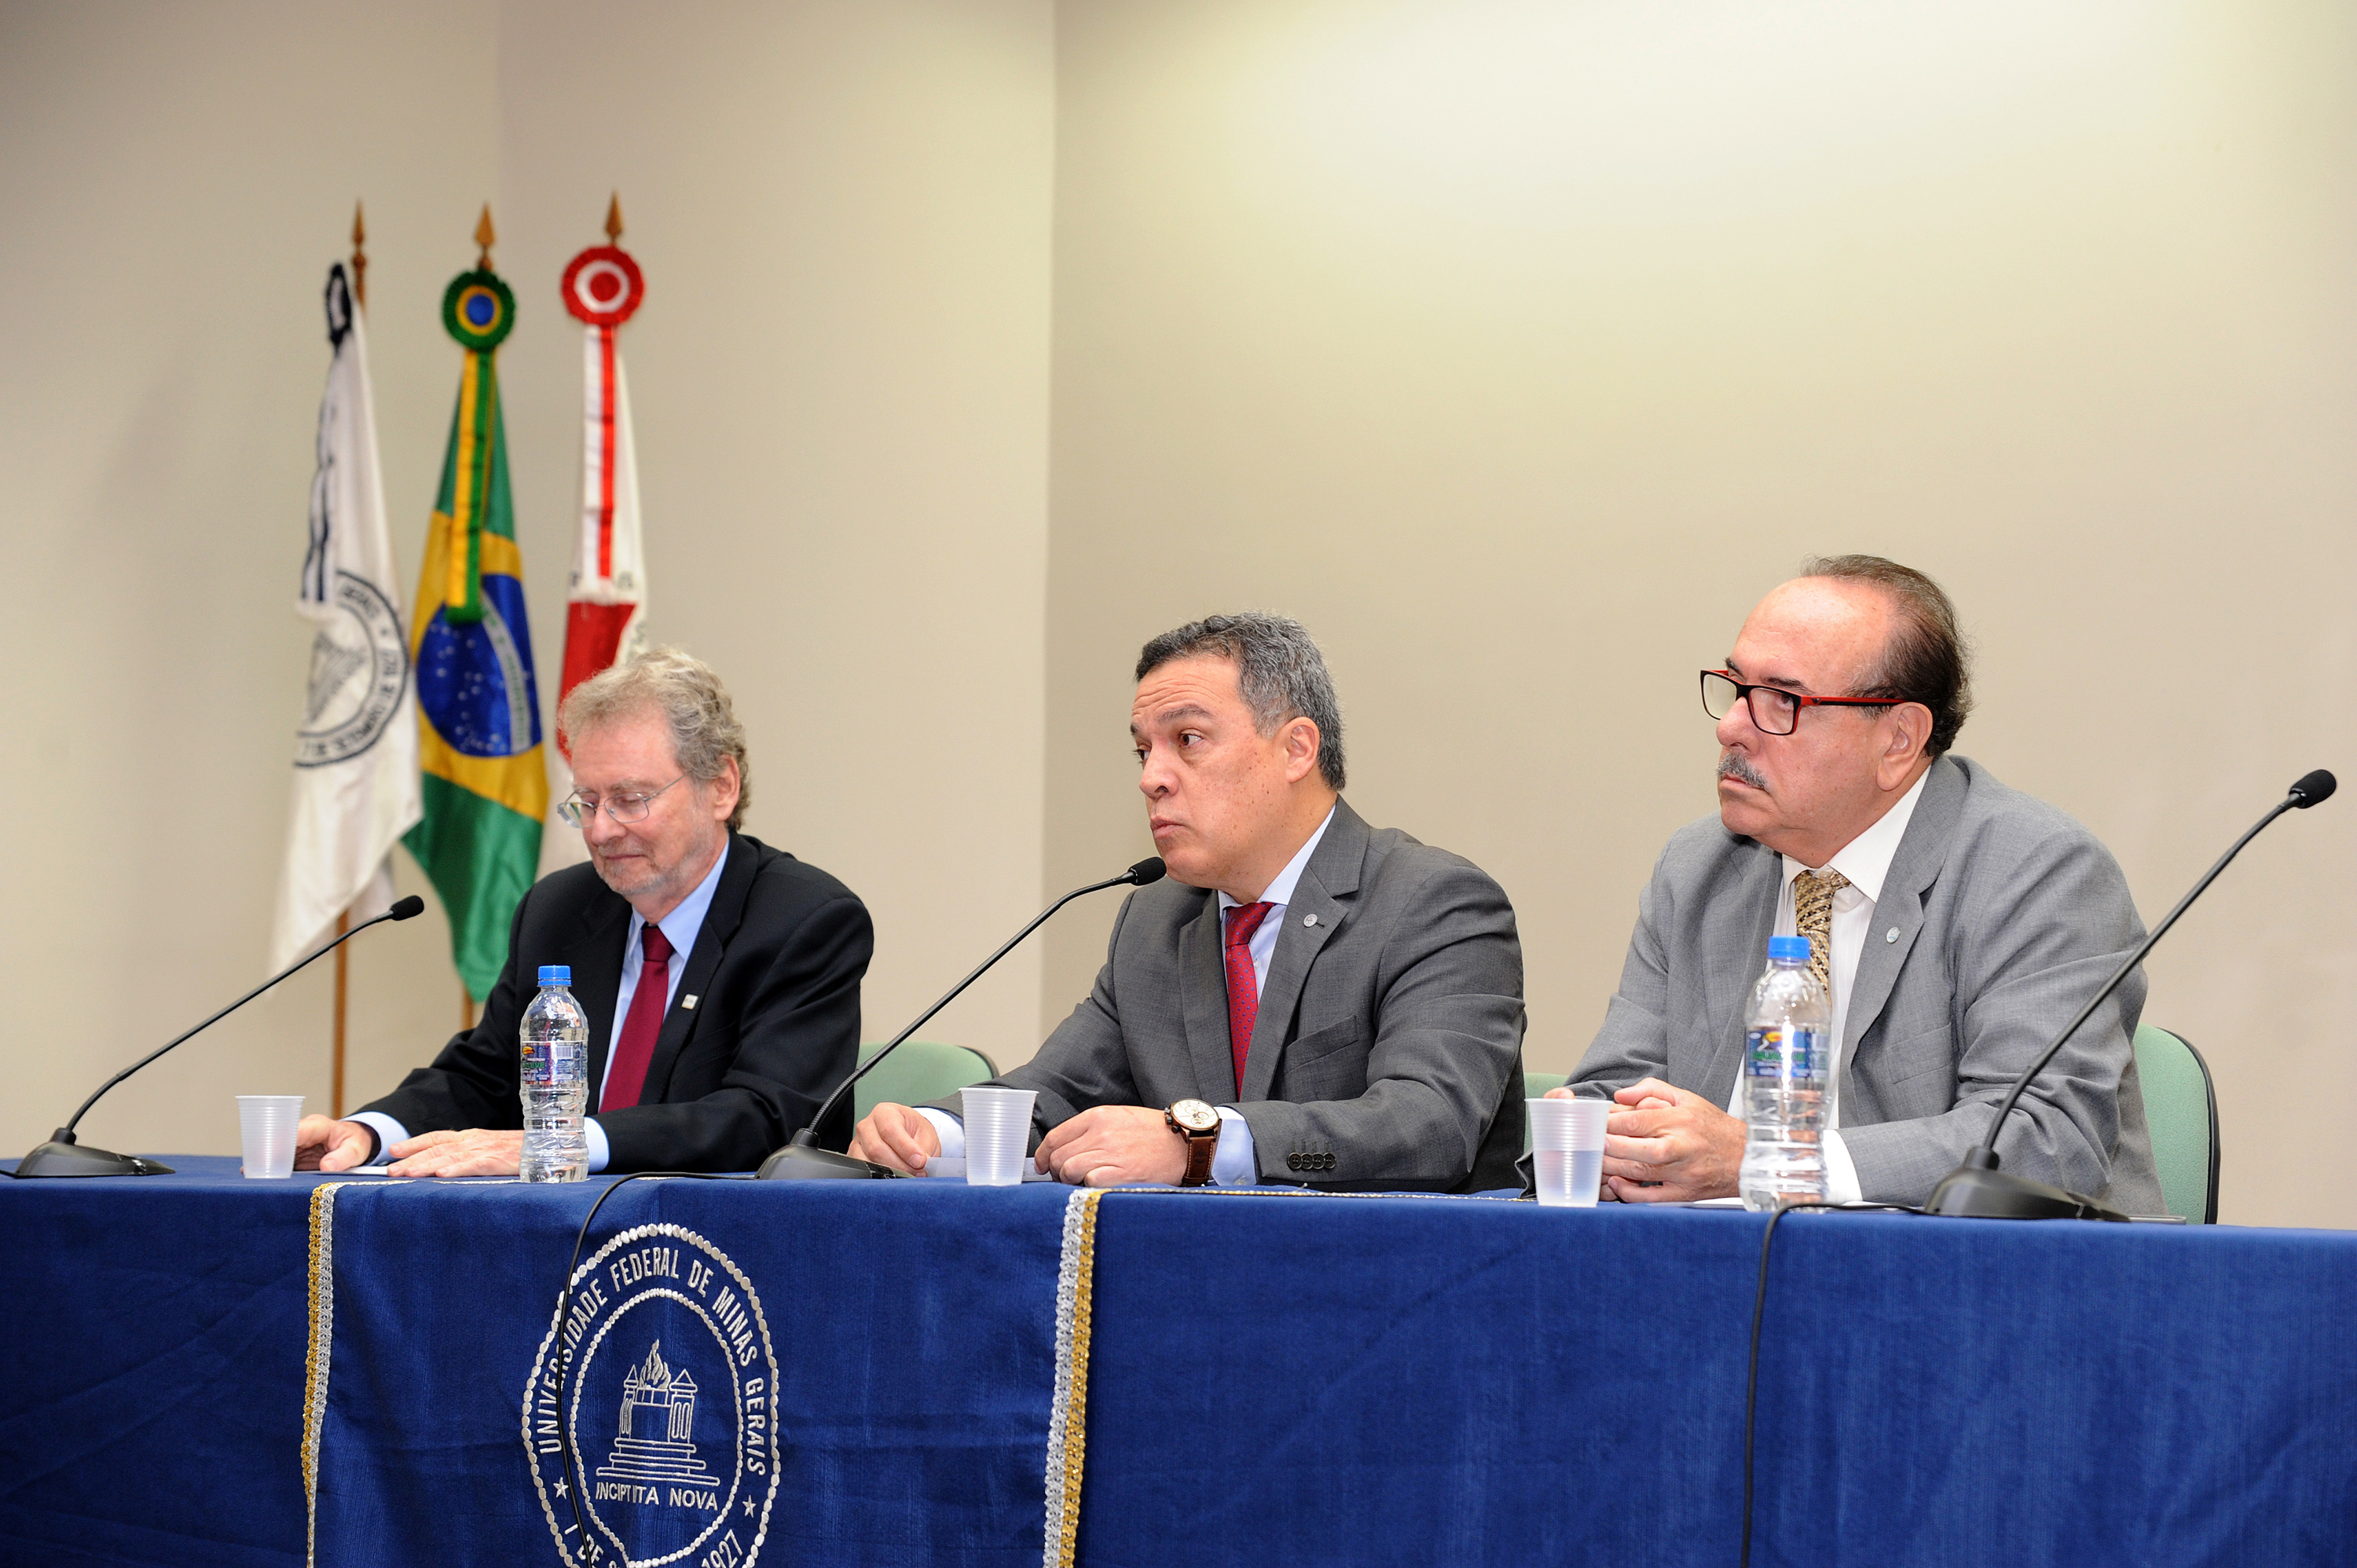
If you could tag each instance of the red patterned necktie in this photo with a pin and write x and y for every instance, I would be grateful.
(642, 1026)
(1243, 985)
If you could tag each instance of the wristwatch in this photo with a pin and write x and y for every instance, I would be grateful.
(1200, 1125)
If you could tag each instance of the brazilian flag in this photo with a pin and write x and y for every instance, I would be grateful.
(485, 783)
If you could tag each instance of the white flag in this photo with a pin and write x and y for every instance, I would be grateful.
(356, 789)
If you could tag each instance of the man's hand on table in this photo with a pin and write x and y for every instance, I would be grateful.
(897, 1136)
(1667, 1144)
(324, 1143)
(476, 1151)
(1113, 1144)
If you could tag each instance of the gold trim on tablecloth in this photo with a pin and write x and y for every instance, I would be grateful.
(314, 1373)
(1068, 1417)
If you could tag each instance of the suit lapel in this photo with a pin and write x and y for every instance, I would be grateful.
(598, 978)
(1750, 920)
(720, 922)
(1203, 997)
(1316, 910)
(1922, 851)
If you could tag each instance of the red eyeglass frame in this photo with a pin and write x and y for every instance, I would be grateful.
(1799, 700)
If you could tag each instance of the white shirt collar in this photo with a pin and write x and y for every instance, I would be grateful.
(1866, 860)
(1280, 891)
(681, 926)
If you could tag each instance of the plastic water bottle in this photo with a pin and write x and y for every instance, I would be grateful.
(555, 1092)
(1787, 1073)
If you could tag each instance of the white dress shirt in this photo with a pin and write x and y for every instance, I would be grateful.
(1864, 862)
(680, 929)
(1234, 1162)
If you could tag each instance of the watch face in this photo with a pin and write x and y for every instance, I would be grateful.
(1194, 1115)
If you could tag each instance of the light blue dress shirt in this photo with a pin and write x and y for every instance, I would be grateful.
(680, 927)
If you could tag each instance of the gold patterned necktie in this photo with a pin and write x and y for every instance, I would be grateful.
(1813, 917)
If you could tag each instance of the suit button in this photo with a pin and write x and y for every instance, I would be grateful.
(1293, 1162)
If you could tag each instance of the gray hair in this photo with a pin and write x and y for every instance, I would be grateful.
(1278, 668)
(705, 734)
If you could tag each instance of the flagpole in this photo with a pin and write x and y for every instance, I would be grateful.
(343, 976)
(485, 238)
(344, 919)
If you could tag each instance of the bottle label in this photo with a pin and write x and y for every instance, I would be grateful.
(1782, 1053)
(552, 1061)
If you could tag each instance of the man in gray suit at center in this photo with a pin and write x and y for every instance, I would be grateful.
(1959, 924)
(1306, 1000)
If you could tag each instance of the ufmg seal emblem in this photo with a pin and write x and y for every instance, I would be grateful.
(669, 1401)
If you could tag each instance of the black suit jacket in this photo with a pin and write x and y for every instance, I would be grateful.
(774, 1027)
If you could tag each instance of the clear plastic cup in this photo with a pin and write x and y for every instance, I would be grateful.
(1567, 1150)
(265, 1122)
(997, 1135)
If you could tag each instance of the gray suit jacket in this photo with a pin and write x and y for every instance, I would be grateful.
(1387, 1052)
(2008, 914)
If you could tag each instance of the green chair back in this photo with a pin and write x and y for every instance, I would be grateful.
(1534, 1086)
(919, 1071)
(2181, 1105)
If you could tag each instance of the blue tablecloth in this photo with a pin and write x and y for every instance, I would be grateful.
(872, 1373)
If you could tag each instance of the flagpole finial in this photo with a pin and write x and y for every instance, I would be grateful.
(614, 220)
(486, 237)
(360, 258)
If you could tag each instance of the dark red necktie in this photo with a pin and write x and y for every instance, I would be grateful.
(1243, 987)
(641, 1029)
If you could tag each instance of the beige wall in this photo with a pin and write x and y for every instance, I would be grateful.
(1518, 348)
(840, 380)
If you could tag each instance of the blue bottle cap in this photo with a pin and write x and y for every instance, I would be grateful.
(1780, 950)
(562, 974)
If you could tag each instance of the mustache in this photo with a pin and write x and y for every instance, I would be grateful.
(1735, 765)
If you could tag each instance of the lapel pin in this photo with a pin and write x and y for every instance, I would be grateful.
(1891, 935)
(688, 1002)
(1309, 919)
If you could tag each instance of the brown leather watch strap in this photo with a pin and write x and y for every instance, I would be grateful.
(1201, 1148)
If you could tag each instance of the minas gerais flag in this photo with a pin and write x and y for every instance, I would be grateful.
(486, 788)
(605, 614)
(356, 789)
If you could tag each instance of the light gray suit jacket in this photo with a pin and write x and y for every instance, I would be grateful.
(1388, 1049)
(2009, 915)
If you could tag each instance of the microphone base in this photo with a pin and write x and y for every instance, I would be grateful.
(1970, 1192)
(804, 1162)
(61, 1156)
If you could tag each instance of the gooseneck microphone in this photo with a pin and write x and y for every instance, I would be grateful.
(61, 1156)
(803, 1160)
(1977, 1188)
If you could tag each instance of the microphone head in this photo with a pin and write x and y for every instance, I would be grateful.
(409, 909)
(1151, 868)
(2314, 788)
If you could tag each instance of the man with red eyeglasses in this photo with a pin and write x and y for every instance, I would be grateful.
(1958, 924)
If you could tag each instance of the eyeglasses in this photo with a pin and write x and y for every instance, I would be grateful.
(1774, 710)
(578, 808)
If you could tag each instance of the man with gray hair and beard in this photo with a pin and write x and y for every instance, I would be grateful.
(1958, 924)
(720, 976)
(1307, 1000)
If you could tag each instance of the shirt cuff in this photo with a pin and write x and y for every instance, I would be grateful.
(1233, 1163)
(951, 1129)
(599, 1150)
(1841, 1172)
(388, 1132)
